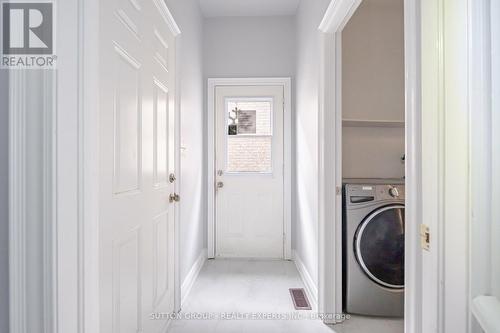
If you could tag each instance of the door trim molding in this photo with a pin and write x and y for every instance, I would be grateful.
(20, 243)
(17, 202)
(413, 170)
(287, 174)
(330, 160)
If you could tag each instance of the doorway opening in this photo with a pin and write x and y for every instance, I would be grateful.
(249, 163)
(363, 176)
(372, 154)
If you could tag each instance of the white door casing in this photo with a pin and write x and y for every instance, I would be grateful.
(249, 171)
(212, 84)
(336, 17)
(137, 155)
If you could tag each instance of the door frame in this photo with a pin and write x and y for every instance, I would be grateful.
(330, 161)
(287, 158)
(71, 186)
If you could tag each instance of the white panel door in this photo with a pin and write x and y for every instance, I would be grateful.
(249, 171)
(137, 76)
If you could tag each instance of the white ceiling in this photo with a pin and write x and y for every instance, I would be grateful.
(216, 8)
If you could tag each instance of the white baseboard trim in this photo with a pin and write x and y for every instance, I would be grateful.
(188, 282)
(311, 288)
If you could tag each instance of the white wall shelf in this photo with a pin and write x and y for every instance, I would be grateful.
(372, 123)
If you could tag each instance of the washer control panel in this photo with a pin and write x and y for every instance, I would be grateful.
(387, 192)
(364, 193)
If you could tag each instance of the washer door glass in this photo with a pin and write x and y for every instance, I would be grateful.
(379, 246)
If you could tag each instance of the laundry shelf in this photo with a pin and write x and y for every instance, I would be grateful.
(372, 123)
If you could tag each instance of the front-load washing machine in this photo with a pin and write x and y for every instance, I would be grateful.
(373, 247)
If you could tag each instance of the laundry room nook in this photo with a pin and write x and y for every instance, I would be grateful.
(373, 170)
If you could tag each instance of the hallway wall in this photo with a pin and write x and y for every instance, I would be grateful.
(249, 46)
(187, 14)
(309, 16)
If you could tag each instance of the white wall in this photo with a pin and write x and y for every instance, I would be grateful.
(188, 16)
(308, 18)
(249, 46)
(4, 217)
(495, 163)
(373, 152)
(373, 62)
(373, 89)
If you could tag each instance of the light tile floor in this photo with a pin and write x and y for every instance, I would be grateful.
(254, 286)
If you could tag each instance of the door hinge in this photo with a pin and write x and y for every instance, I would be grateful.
(425, 237)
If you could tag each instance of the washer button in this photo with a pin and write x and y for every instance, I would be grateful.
(393, 192)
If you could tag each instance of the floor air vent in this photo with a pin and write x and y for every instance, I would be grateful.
(299, 299)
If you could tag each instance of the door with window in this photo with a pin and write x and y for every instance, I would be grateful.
(249, 171)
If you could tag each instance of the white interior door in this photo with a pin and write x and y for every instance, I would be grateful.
(249, 171)
(137, 77)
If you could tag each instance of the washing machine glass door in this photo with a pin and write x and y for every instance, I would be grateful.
(379, 246)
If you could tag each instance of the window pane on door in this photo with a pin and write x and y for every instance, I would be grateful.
(249, 154)
(249, 117)
(249, 135)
